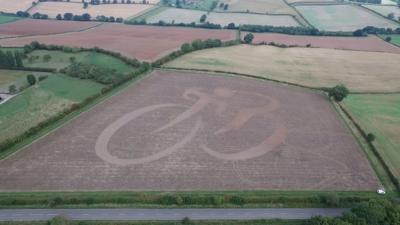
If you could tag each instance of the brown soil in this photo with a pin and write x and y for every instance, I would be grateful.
(142, 42)
(370, 43)
(190, 131)
(30, 27)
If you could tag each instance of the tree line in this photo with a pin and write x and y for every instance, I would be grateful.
(11, 60)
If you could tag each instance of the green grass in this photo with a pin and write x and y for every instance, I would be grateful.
(8, 19)
(43, 101)
(395, 38)
(201, 5)
(380, 115)
(15, 77)
(60, 59)
(199, 222)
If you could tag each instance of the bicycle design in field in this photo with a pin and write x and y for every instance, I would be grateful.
(218, 100)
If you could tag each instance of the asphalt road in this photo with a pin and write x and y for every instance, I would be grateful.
(164, 214)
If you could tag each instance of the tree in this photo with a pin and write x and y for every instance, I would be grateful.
(339, 92)
(58, 220)
(390, 16)
(185, 48)
(248, 38)
(12, 89)
(203, 18)
(31, 79)
(46, 58)
(388, 38)
(68, 16)
(370, 137)
(59, 17)
(18, 60)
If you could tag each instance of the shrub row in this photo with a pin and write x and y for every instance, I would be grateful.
(36, 45)
(195, 45)
(180, 199)
(365, 135)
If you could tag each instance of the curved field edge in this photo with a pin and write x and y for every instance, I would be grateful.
(69, 117)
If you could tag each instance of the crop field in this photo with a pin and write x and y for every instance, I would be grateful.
(370, 43)
(257, 6)
(296, 2)
(29, 27)
(12, 6)
(342, 17)
(60, 60)
(385, 10)
(7, 19)
(380, 115)
(116, 10)
(142, 42)
(175, 15)
(15, 77)
(314, 67)
(175, 138)
(43, 101)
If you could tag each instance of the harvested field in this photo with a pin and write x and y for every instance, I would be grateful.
(116, 10)
(257, 6)
(30, 27)
(314, 67)
(342, 17)
(176, 138)
(12, 6)
(370, 43)
(142, 42)
(293, 2)
(385, 10)
(175, 15)
(380, 115)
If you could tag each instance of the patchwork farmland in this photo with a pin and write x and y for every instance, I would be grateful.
(52, 9)
(145, 42)
(342, 17)
(174, 15)
(385, 10)
(369, 44)
(160, 141)
(257, 6)
(307, 66)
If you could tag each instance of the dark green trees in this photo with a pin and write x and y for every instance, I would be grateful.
(339, 92)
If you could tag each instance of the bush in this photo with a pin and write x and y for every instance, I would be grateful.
(388, 39)
(12, 89)
(370, 137)
(248, 38)
(339, 92)
(59, 220)
(31, 79)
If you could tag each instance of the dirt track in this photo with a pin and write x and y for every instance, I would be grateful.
(180, 131)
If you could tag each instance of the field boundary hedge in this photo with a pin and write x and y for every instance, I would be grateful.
(364, 134)
(184, 199)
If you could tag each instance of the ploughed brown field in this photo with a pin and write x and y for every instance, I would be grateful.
(142, 42)
(192, 131)
(30, 27)
(370, 43)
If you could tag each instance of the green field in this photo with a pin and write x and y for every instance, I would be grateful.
(380, 115)
(15, 77)
(7, 19)
(342, 17)
(42, 101)
(395, 38)
(60, 59)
